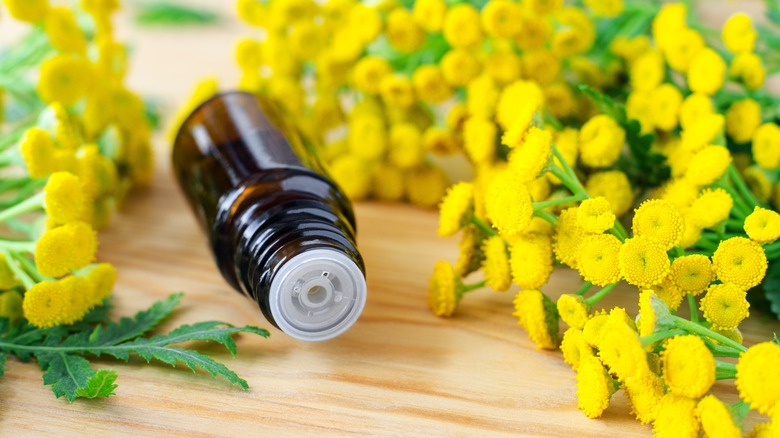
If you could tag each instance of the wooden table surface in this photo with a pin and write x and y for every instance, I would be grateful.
(399, 371)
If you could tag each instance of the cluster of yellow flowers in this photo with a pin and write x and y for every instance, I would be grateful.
(75, 140)
(703, 232)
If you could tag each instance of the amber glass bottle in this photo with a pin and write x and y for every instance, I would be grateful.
(281, 231)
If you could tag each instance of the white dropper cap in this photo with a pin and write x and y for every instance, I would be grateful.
(317, 295)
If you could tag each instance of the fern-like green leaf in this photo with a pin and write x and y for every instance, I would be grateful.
(66, 373)
(101, 384)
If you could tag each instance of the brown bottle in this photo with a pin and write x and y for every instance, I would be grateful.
(281, 231)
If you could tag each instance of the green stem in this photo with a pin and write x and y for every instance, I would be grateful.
(721, 351)
(725, 370)
(32, 203)
(18, 271)
(595, 298)
(17, 245)
(743, 189)
(475, 286)
(692, 327)
(553, 202)
(739, 204)
(694, 309)
(576, 186)
(584, 288)
(483, 226)
(546, 215)
(618, 231)
(30, 267)
(659, 336)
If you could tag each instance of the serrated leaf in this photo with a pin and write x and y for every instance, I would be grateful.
(191, 358)
(66, 373)
(100, 385)
(142, 322)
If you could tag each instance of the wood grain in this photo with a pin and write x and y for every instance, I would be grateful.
(400, 371)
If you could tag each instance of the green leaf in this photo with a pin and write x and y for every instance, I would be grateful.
(66, 373)
(173, 14)
(605, 104)
(770, 299)
(3, 358)
(129, 328)
(100, 385)
(193, 360)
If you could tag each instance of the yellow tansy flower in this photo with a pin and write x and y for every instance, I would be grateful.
(429, 84)
(692, 273)
(710, 208)
(64, 79)
(676, 416)
(742, 119)
(37, 150)
(509, 109)
(597, 260)
(740, 261)
(763, 226)
(66, 248)
(405, 145)
(660, 220)
(368, 74)
(459, 67)
(444, 290)
(665, 101)
(351, 174)
(708, 165)
(748, 69)
(715, 418)
(669, 20)
(681, 47)
(573, 310)
(568, 237)
(688, 365)
(647, 71)
(706, 72)
(63, 30)
(620, 349)
(462, 26)
(605, 8)
(479, 139)
(455, 208)
(738, 33)
(643, 261)
(594, 387)
(613, 185)
(103, 277)
(45, 304)
(694, 108)
(508, 204)
(402, 32)
(531, 261)
(470, 254)
(64, 198)
(495, 266)
(725, 306)
(758, 381)
(11, 305)
(644, 392)
(501, 18)
(367, 137)
(766, 145)
(601, 141)
(426, 185)
(429, 14)
(533, 31)
(397, 91)
(537, 314)
(595, 215)
(574, 347)
(388, 183)
(27, 10)
(669, 292)
(531, 157)
(593, 328)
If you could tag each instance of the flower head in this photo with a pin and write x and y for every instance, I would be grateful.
(676, 417)
(763, 226)
(462, 26)
(568, 237)
(643, 261)
(707, 72)
(429, 84)
(64, 79)
(708, 165)
(368, 73)
(716, 419)
(758, 381)
(725, 306)
(615, 187)
(766, 145)
(10, 305)
(595, 215)
(692, 273)
(45, 304)
(598, 259)
(644, 391)
(350, 173)
(574, 347)
(103, 277)
(444, 290)
(742, 119)
(660, 220)
(27, 10)
(63, 30)
(711, 208)
(405, 142)
(470, 254)
(573, 310)
(508, 111)
(530, 158)
(65, 197)
(501, 18)
(508, 204)
(669, 292)
(620, 349)
(66, 248)
(402, 32)
(689, 367)
(537, 314)
(426, 185)
(653, 315)
(748, 69)
(740, 261)
(594, 387)
(601, 140)
(454, 209)
(496, 264)
(79, 293)
(429, 14)
(531, 261)
(37, 150)
(738, 33)
(479, 138)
